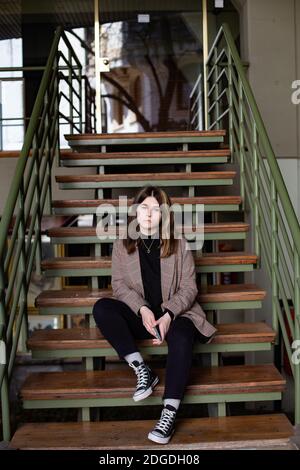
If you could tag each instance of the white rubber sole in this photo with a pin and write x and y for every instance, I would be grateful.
(159, 440)
(147, 392)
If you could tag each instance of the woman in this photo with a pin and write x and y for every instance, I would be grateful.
(154, 285)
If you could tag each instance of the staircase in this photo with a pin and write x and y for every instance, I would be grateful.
(195, 168)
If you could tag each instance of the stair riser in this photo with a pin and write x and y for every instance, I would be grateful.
(145, 140)
(60, 402)
(142, 183)
(98, 272)
(93, 210)
(96, 240)
(141, 161)
(73, 310)
(157, 350)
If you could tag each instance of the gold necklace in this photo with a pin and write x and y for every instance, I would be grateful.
(148, 248)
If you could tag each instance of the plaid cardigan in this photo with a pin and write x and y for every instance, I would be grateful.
(178, 284)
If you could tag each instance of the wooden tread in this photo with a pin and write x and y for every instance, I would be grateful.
(86, 297)
(183, 176)
(91, 338)
(104, 262)
(141, 135)
(231, 292)
(190, 433)
(74, 203)
(81, 232)
(226, 257)
(120, 383)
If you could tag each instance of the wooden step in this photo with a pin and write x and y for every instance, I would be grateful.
(89, 206)
(120, 383)
(144, 138)
(190, 433)
(144, 158)
(89, 235)
(91, 338)
(127, 180)
(86, 298)
(231, 292)
(227, 257)
(208, 262)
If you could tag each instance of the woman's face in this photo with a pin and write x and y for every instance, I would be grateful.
(148, 215)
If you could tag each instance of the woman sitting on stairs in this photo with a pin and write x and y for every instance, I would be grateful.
(154, 285)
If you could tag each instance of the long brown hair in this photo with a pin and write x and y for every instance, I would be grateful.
(168, 244)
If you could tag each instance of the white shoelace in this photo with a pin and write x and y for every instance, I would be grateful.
(166, 420)
(142, 375)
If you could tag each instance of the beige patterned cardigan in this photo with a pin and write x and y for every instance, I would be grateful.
(178, 283)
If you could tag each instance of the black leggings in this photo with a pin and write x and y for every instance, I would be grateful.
(120, 326)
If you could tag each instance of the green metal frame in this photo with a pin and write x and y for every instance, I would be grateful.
(142, 161)
(27, 198)
(93, 210)
(158, 350)
(98, 272)
(95, 240)
(140, 183)
(144, 140)
(152, 400)
(276, 230)
(88, 309)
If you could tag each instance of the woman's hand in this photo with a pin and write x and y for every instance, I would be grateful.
(163, 324)
(148, 319)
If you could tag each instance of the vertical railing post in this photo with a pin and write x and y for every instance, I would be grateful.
(297, 333)
(230, 105)
(241, 142)
(2, 292)
(274, 249)
(216, 90)
(71, 105)
(200, 105)
(56, 159)
(48, 149)
(205, 55)
(207, 118)
(22, 270)
(80, 98)
(38, 252)
(256, 191)
(6, 431)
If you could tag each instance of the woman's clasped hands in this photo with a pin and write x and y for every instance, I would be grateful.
(163, 323)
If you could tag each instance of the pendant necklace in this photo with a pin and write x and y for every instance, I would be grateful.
(148, 248)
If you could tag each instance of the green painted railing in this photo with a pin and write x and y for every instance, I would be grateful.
(20, 226)
(196, 105)
(275, 227)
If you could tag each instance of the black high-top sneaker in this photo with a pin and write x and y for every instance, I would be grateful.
(165, 427)
(146, 380)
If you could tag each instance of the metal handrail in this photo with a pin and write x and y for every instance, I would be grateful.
(20, 225)
(276, 230)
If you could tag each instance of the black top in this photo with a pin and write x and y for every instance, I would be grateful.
(151, 274)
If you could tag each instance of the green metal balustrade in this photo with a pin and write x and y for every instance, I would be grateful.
(20, 226)
(275, 228)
